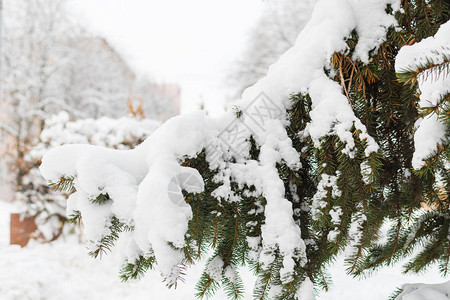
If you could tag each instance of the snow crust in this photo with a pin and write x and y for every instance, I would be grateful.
(429, 130)
(137, 180)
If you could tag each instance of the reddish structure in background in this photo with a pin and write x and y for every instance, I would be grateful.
(21, 229)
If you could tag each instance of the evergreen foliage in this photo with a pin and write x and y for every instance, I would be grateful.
(340, 201)
(106, 242)
(137, 269)
(64, 185)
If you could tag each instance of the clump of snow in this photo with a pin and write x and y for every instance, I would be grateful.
(275, 292)
(230, 273)
(255, 249)
(306, 290)
(336, 213)
(429, 131)
(421, 291)
(215, 268)
(430, 50)
(327, 187)
(372, 30)
(366, 172)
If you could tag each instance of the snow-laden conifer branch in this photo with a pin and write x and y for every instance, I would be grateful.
(243, 168)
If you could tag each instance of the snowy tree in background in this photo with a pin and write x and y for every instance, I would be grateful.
(96, 81)
(274, 33)
(347, 131)
(42, 201)
(159, 101)
(28, 45)
(50, 63)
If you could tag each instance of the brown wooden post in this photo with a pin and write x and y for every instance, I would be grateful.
(21, 229)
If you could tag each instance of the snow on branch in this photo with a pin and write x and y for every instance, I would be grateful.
(426, 63)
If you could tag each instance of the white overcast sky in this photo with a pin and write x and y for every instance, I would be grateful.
(191, 42)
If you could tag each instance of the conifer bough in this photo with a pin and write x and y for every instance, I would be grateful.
(311, 162)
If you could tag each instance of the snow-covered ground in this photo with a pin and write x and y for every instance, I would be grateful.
(63, 270)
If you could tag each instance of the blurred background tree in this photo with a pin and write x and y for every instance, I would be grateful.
(274, 33)
(49, 63)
